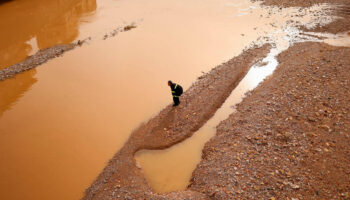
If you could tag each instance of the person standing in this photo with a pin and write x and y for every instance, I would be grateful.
(176, 91)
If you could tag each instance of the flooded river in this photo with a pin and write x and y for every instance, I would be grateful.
(61, 122)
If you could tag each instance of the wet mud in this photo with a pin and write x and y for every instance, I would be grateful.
(123, 179)
(341, 11)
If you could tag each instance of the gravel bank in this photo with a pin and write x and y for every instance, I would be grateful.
(37, 59)
(290, 138)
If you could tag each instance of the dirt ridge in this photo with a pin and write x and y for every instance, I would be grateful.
(123, 179)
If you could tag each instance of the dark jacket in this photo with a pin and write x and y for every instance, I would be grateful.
(176, 90)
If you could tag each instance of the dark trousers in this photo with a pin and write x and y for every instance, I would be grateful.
(176, 101)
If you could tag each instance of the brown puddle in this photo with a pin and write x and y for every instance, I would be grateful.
(61, 122)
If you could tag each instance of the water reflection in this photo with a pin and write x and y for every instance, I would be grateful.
(11, 90)
(4, 1)
(51, 22)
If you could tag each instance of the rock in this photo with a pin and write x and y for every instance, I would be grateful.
(345, 195)
(295, 186)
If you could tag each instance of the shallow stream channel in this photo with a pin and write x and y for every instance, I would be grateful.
(61, 122)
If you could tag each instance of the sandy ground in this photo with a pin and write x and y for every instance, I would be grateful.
(289, 139)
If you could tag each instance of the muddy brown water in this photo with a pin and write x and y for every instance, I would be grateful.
(61, 122)
(29, 25)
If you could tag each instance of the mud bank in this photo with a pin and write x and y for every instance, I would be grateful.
(123, 179)
(290, 137)
(39, 58)
(44, 55)
(300, 3)
(342, 11)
